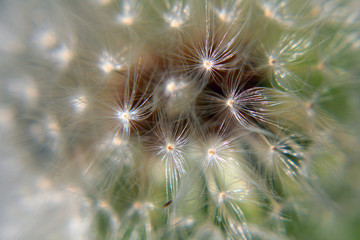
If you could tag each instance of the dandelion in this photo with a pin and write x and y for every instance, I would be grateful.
(178, 119)
(172, 140)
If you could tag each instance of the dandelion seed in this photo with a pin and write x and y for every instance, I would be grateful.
(272, 61)
(62, 55)
(236, 189)
(127, 118)
(273, 10)
(136, 222)
(79, 103)
(229, 10)
(288, 52)
(176, 95)
(291, 14)
(129, 12)
(170, 144)
(47, 132)
(108, 63)
(130, 114)
(340, 46)
(246, 107)
(229, 187)
(213, 50)
(54, 47)
(175, 88)
(217, 149)
(282, 154)
(131, 108)
(25, 89)
(177, 13)
(46, 39)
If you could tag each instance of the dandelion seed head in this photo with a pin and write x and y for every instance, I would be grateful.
(195, 125)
